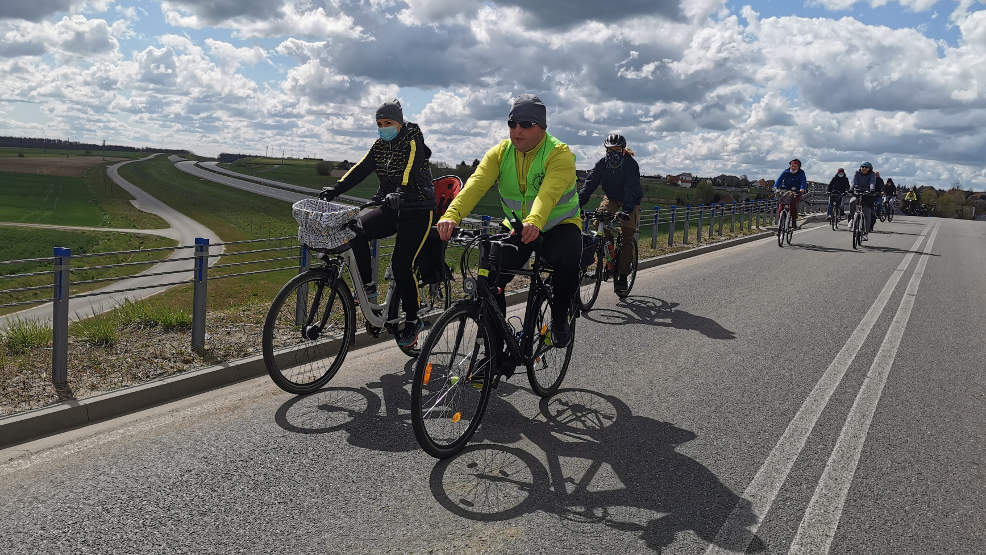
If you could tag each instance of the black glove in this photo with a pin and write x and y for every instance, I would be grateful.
(328, 194)
(393, 201)
(623, 215)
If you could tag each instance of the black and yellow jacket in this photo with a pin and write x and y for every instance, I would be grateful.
(402, 165)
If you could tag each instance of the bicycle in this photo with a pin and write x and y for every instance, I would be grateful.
(835, 209)
(858, 220)
(785, 227)
(456, 371)
(311, 324)
(604, 246)
(888, 208)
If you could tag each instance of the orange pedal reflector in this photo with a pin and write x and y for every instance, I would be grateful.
(456, 417)
(427, 373)
(544, 329)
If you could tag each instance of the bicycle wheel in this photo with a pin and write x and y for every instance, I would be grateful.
(631, 272)
(789, 234)
(452, 378)
(590, 280)
(300, 354)
(550, 362)
(890, 214)
(435, 298)
(781, 224)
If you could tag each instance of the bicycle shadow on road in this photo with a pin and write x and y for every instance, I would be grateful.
(652, 311)
(815, 248)
(357, 412)
(604, 466)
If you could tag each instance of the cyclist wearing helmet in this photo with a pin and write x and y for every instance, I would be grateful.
(619, 175)
(792, 179)
(889, 192)
(535, 176)
(837, 189)
(400, 158)
(864, 188)
(910, 199)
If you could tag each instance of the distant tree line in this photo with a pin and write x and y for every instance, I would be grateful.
(59, 144)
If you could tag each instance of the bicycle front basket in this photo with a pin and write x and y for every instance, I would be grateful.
(321, 224)
(785, 197)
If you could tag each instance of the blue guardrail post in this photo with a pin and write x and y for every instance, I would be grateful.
(59, 323)
(674, 212)
(688, 216)
(701, 215)
(200, 283)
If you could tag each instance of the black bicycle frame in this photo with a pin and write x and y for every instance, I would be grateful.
(490, 268)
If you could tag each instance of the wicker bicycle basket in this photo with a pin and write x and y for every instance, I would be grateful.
(785, 197)
(321, 224)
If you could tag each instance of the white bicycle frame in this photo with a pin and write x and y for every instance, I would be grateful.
(376, 314)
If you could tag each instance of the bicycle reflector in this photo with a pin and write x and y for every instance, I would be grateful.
(456, 417)
(427, 373)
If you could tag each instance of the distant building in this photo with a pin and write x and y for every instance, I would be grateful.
(683, 180)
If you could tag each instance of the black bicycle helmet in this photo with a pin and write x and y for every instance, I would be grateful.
(615, 139)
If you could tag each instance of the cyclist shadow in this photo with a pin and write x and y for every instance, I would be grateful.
(653, 490)
(371, 421)
(652, 311)
(815, 248)
(894, 250)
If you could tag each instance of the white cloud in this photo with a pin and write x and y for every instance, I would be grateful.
(843, 5)
(232, 56)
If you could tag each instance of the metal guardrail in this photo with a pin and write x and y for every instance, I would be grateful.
(748, 214)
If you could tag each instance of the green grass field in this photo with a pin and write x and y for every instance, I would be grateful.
(8, 151)
(90, 200)
(21, 243)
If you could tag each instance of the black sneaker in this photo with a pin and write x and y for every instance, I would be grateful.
(620, 284)
(561, 332)
(409, 333)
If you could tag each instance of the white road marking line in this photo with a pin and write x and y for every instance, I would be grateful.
(762, 491)
(822, 517)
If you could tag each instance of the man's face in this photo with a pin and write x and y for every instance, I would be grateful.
(795, 166)
(525, 138)
(864, 170)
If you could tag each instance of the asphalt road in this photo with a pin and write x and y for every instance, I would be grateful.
(182, 228)
(802, 399)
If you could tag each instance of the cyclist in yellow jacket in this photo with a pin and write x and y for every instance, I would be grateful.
(536, 176)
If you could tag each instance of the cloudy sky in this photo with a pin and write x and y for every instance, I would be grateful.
(707, 86)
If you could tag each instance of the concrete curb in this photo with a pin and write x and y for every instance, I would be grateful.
(60, 417)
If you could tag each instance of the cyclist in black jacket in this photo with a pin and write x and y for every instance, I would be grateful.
(837, 189)
(619, 175)
(401, 160)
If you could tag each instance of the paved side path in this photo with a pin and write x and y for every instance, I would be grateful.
(184, 230)
(169, 232)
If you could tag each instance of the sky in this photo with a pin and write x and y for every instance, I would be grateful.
(700, 86)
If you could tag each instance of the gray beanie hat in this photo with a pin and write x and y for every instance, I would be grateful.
(391, 110)
(528, 107)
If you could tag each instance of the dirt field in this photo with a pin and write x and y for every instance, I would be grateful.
(68, 166)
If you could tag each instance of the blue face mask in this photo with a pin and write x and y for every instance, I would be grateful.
(387, 133)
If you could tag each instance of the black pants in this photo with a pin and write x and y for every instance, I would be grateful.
(411, 228)
(562, 249)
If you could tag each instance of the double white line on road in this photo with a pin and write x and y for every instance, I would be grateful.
(830, 496)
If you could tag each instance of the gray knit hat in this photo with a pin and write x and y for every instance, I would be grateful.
(391, 110)
(528, 107)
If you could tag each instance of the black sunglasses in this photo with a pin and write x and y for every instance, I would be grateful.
(524, 124)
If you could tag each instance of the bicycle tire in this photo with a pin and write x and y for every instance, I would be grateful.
(451, 379)
(439, 297)
(781, 224)
(544, 381)
(631, 273)
(593, 274)
(290, 355)
(789, 234)
(890, 214)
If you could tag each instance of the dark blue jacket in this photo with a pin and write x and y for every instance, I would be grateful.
(865, 183)
(621, 184)
(791, 181)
